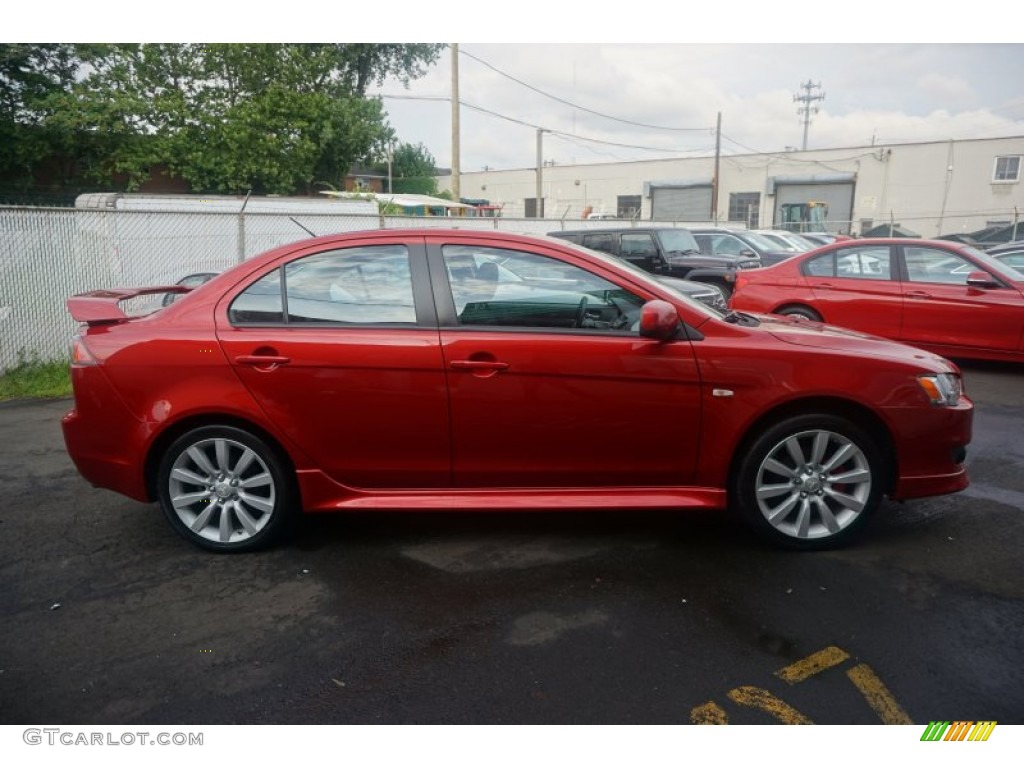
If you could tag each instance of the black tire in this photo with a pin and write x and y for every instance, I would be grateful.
(785, 486)
(800, 311)
(226, 490)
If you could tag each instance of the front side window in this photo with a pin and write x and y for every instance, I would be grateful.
(728, 245)
(515, 289)
(931, 265)
(638, 246)
(352, 286)
(1007, 169)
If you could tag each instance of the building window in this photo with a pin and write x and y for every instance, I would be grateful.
(628, 207)
(1007, 169)
(745, 207)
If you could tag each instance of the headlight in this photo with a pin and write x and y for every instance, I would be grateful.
(942, 388)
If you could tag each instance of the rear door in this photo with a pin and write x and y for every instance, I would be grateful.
(340, 348)
(857, 286)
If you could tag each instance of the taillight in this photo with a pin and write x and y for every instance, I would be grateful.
(80, 354)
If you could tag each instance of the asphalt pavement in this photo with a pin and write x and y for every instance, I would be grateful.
(108, 617)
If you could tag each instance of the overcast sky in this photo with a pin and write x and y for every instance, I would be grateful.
(886, 93)
(933, 73)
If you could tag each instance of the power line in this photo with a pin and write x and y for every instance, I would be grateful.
(553, 132)
(575, 106)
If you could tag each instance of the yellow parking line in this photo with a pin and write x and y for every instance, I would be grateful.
(878, 696)
(759, 698)
(799, 671)
(708, 714)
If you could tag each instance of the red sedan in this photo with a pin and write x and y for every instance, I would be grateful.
(436, 369)
(942, 296)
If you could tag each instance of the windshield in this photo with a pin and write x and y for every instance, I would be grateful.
(761, 241)
(678, 240)
(782, 242)
(647, 277)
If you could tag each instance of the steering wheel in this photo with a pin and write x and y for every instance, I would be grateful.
(581, 313)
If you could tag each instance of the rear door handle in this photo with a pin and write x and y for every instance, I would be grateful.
(479, 365)
(824, 286)
(261, 361)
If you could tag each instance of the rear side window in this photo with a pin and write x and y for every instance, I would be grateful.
(352, 286)
(859, 263)
(260, 303)
(601, 242)
(870, 263)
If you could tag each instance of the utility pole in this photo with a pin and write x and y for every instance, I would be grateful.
(806, 99)
(456, 171)
(539, 208)
(714, 181)
(391, 157)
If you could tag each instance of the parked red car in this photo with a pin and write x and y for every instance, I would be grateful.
(437, 369)
(942, 296)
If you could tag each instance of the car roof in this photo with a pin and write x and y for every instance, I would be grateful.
(608, 230)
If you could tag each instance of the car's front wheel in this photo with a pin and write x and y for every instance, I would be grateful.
(225, 489)
(810, 482)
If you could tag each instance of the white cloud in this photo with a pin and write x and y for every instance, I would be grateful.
(896, 93)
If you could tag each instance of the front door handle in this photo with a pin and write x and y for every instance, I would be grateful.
(917, 295)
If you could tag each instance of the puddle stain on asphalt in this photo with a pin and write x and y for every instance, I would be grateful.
(541, 627)
(500, 553)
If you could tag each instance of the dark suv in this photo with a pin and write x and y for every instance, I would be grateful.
(667, 251)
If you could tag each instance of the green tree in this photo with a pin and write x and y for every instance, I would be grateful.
(226, 117)
(31, 75)
(413, 170)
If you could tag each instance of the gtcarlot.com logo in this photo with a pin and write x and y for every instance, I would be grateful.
(58, 736)
(958, 730)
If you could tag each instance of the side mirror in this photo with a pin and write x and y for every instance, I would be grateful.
(981, 279)
(748, 253)
(659, 320)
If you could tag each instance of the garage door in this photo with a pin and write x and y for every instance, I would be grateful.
(838, 194)
(681, 203)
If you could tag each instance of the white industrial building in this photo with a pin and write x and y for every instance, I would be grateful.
(931, 188)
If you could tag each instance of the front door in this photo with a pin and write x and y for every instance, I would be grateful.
(550, 384)
(941, 309)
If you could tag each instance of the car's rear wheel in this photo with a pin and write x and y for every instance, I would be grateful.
(225, 489)
(799, 311)
(810, 482)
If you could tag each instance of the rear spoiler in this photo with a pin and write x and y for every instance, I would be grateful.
(101, 307)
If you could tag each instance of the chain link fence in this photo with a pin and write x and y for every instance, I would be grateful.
(48, 254)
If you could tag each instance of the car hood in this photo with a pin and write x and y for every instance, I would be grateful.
(807, 333)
